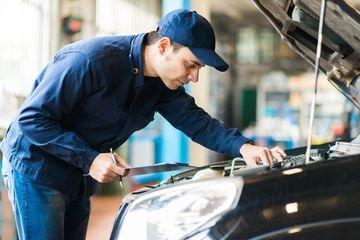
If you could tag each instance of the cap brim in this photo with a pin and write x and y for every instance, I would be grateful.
(210, 58)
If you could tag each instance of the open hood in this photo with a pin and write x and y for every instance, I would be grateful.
(297, 22)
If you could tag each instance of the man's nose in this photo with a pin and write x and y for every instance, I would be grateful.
(194, 75)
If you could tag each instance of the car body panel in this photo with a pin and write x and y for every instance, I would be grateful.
(323, 191)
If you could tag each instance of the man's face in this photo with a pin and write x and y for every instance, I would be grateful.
(178, 68)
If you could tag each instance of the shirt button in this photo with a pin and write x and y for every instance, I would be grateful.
(135, 71)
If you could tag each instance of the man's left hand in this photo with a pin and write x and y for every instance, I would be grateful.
(254, 155)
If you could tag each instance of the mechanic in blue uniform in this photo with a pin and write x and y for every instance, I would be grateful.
(91, 97)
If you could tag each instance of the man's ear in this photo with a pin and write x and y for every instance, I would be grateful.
(163, 44)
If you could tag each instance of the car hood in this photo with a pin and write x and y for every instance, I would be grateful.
(297, 22)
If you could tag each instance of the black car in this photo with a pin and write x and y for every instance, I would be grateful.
(288, 200)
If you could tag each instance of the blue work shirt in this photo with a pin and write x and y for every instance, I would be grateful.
(91, 97)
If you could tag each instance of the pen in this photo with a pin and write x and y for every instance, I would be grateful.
(115, 163)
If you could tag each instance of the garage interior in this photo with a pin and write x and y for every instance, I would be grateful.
(266, 93)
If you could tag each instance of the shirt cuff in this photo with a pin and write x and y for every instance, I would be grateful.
(239, 143)
(88, 159)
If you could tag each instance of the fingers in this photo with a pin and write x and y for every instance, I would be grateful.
(279, 150)
(278, 153)
(104, 170)
(265, 156)
(121, 161)
(277, 156)
(253, 162)
(256, 155)
(103, 177)
(109, 177)
(268, 156)
(117, 170)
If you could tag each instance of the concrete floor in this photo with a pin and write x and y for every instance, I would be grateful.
(102, 216)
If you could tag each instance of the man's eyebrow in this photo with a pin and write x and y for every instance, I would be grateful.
(197, 63)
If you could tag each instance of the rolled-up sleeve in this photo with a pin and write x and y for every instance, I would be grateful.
(63, 83)
(181, 111)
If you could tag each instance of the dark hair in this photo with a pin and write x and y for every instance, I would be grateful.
(154, 36)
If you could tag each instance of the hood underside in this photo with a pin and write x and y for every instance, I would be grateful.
(297, 22)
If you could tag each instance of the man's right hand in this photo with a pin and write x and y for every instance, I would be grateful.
(104, 170)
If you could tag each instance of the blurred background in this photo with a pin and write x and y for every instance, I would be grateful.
(266, 93)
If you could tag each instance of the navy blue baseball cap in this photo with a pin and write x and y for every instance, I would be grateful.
(193, 31)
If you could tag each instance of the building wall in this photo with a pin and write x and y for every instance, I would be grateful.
(124, 17)
(24, 48)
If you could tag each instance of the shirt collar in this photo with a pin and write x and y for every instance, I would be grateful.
(137, 59)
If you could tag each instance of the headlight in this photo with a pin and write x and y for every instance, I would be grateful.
(174, 212)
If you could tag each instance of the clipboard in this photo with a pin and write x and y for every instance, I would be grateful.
(161, 167)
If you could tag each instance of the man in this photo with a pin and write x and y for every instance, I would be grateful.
(91, 97)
